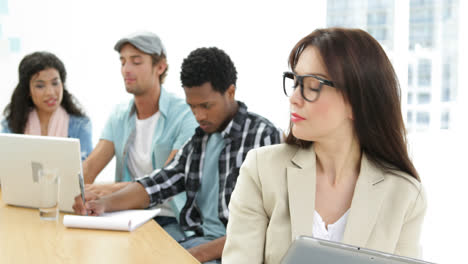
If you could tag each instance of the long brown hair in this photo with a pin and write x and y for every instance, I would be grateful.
(360, 69)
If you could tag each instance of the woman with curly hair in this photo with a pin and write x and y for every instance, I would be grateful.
(41, 104)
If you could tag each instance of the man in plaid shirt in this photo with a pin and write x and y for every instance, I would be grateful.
(207, 165)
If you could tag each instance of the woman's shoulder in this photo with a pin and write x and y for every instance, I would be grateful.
(385, 172)
(79, 119)
(401, 184)
(274, 156)
(408, 186)
(276, 151)
(4, 126)
(404, 190)
(78, 124)
(403, 180)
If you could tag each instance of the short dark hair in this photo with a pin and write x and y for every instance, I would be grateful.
(21, 104)
(208, 65)
(362, 72)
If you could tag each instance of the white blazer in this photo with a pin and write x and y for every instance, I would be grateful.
(274, 202)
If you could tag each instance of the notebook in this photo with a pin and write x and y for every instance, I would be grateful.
(21, 157)
(318, 251)
(127, 220)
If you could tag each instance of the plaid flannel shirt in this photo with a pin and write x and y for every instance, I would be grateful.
(246, 131)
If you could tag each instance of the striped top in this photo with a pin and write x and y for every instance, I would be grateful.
(244, 132)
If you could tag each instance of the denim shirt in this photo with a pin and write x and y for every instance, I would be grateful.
(175, 126)
(78, 127)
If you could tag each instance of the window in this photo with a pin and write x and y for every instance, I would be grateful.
(378, 3)
(410, 75)
(380, 34)
(424, 98)
(447, 12)
(379, 18)
(435, 108)
(421, 24)
(410, 98)
(424, 72)
(445, 96)
(423, 118)
(3, 7)
(447, 82)
(445, 120)
(409, 117)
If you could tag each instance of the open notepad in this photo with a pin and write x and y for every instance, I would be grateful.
(126, 220)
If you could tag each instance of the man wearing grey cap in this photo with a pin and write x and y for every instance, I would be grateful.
(145, 133)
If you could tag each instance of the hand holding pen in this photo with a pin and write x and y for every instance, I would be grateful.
(82, 190)
(88, 202)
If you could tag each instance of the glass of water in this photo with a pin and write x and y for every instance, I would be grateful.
(49, 182)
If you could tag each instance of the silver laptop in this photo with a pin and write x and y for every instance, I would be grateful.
(21, 157)
(318, 251)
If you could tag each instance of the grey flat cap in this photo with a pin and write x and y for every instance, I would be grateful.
(145, 41)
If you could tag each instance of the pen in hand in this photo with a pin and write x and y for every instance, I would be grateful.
(81, 181)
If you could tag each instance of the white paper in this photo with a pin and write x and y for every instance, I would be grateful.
(126, 220)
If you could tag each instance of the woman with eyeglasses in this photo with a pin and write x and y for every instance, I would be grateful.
(41, 104)
(344, 173)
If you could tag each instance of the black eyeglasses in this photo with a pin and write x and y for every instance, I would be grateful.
(311, 85)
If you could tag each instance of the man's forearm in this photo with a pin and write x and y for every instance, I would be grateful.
(209, 251)
(119, 186)
(132, 196)
(103, 189)
(88, 177)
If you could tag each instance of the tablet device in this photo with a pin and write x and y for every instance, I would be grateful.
(306, 249)
(21, 158)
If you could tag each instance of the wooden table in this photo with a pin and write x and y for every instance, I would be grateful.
(24, 238)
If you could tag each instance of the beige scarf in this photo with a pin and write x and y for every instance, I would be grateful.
(58, 123)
